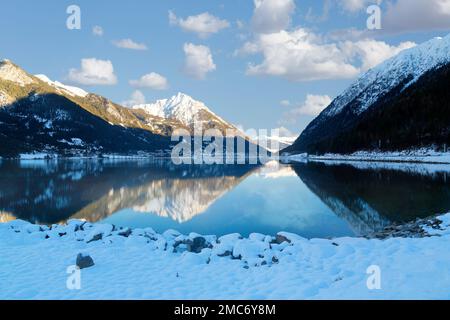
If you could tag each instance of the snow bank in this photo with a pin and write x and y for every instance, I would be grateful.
(37, 156)
(424, 155)
(141, 264)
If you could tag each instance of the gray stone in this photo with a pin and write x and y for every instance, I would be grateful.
(227, 253)
(125, 233)
(96, 237)
(84, 261)
(279, 239)
(197, 244)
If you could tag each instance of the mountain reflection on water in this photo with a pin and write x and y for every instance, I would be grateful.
(311, 199)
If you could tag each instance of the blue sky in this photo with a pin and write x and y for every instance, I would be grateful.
(301, 52)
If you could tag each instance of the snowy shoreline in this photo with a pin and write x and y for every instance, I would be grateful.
(142, 264)
(426, 156)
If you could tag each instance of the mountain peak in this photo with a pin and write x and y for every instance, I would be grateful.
(182, 96)
(185, 109)
(11, 72)
(181, 107)
(185, 101)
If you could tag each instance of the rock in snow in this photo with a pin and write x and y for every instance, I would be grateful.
(84, 261)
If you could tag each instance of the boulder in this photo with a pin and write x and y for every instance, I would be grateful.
(279, 239)
(197, 244)
(84, 261)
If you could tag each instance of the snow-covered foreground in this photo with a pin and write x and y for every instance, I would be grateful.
(425, 155)
(140, 264)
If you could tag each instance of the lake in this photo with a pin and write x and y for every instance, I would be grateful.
(314, 200)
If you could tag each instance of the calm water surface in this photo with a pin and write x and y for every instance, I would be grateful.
(311, 199)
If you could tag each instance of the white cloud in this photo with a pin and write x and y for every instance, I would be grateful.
(272, 15)
(93, 72)
(300, 55)
(355, 5)
(97, 31)
(285, 103)
(416, 15)
(313, 18)
(372, 52)
(129, 44)
(203, 24)
(198, 61)
(285, 132)
(137, 97)
(312, 106)
(402, 16)
(152, 80)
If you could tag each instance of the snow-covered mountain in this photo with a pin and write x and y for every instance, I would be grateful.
(187, 111)
(44, 116)
(274, 143)
(39, 115)
(404, 69)
(342, 126)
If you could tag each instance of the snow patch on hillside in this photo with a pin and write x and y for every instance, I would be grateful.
(5, 99)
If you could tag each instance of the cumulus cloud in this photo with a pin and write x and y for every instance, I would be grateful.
(97, 31)
(272, 15)
(129, 44)
(372, 52)
(198, 61)
(203, 24)
(137, 98)
(93, 72)
(300, 55)
(152, 80)
(416, 15)
(312, 106)
(401, 16)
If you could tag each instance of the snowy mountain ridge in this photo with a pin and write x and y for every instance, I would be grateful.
(11, 72)
(183, 108)
(73, 91)
(408, 66)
